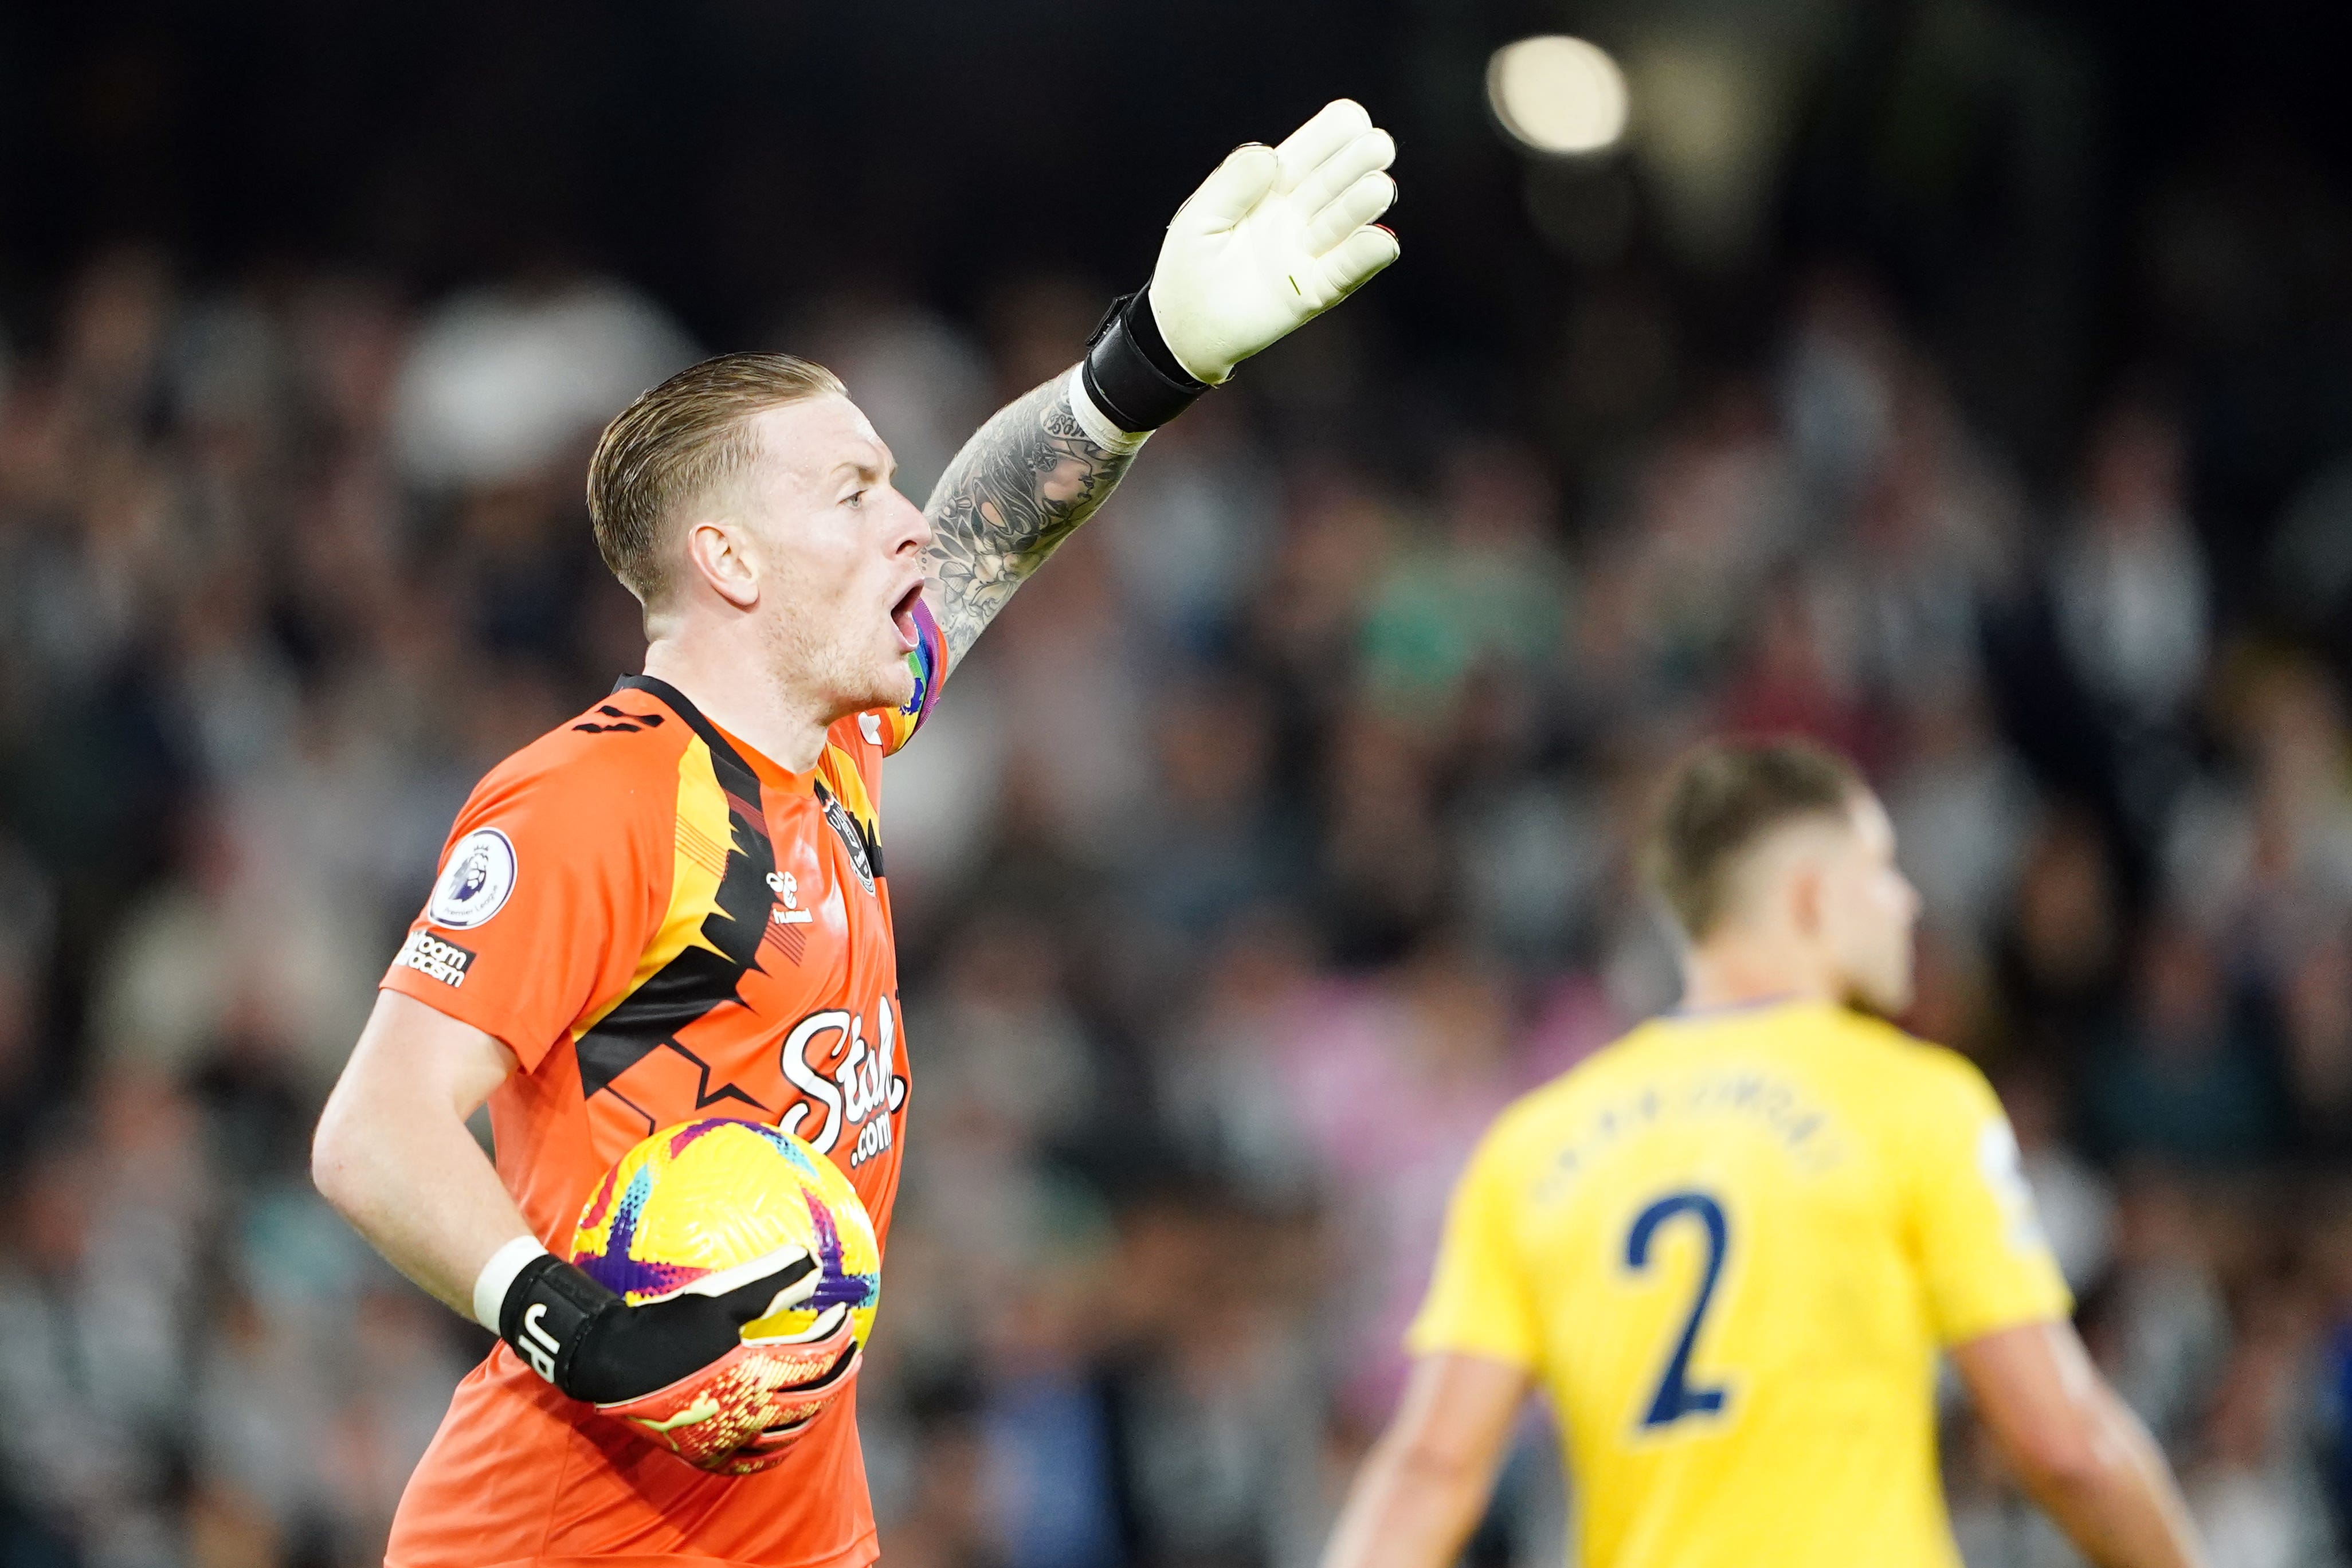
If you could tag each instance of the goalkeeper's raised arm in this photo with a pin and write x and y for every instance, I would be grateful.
(1273, 237)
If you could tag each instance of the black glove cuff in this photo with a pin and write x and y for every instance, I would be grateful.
(1129, 372)
(547, 1314)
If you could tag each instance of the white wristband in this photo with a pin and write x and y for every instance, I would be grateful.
(498, 1275)
(1098, 426)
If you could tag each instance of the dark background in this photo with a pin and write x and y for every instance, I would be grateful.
(724, 155)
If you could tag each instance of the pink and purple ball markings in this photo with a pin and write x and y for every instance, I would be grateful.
(613, 1268)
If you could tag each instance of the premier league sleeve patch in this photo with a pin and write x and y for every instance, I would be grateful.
(475, 884)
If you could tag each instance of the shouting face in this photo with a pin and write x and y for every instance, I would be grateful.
(830, 557)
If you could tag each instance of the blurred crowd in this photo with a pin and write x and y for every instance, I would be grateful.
(1275, 837)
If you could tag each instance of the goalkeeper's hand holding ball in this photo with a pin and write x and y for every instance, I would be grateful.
(678, 1369)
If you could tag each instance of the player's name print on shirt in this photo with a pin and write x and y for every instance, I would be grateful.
(1772, 1104)
(476, 883)
(436, 958)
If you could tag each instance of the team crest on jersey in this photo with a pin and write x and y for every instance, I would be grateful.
(845, 827)
(476, 883)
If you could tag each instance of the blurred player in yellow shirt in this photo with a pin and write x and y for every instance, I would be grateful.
(1730, 1247)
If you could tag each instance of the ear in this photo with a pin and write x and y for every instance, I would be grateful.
(720, 553)
(1808, 895)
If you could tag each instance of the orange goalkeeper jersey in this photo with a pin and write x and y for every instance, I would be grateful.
(661, 924)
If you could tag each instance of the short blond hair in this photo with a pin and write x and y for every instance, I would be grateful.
(1720, 802)
(674, 444)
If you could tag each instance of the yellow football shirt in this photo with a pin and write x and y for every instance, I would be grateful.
(1730, 1247)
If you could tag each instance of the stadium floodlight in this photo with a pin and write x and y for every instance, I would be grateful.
(1558, 95)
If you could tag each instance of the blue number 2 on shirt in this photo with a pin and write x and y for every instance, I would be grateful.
(1675, 1399)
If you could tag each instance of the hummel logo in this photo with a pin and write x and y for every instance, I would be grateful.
(787, 887)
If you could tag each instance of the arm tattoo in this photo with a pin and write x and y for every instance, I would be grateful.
(1016, 490)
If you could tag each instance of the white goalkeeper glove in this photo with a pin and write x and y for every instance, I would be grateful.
(1273, 239)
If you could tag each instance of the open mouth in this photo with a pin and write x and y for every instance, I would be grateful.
(902, 616)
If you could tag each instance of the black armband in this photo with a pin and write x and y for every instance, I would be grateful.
(1129, 372)
(547, 1314)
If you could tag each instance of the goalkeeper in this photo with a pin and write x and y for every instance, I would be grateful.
(676, 906)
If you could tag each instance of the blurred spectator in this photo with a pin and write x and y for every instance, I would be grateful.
(1963, 808)
(1214, 841)
(2061, 949)
(27, 931)
(1391, 1080)
(2254, 1491)
(96, 1305)
(1385, 875)
(1213, 1082)
(1795, 680)
(919, 379)
(1488, 592)
(1203, 528)
(2264, 852)
(2184, 1080)
(2132, 595)
(2316, 1005)
(502, 381)
(2161, 1332)
(2076, 1204)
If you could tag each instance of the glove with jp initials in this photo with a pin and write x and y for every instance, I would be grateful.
(1273, 239)
(678, 1369)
